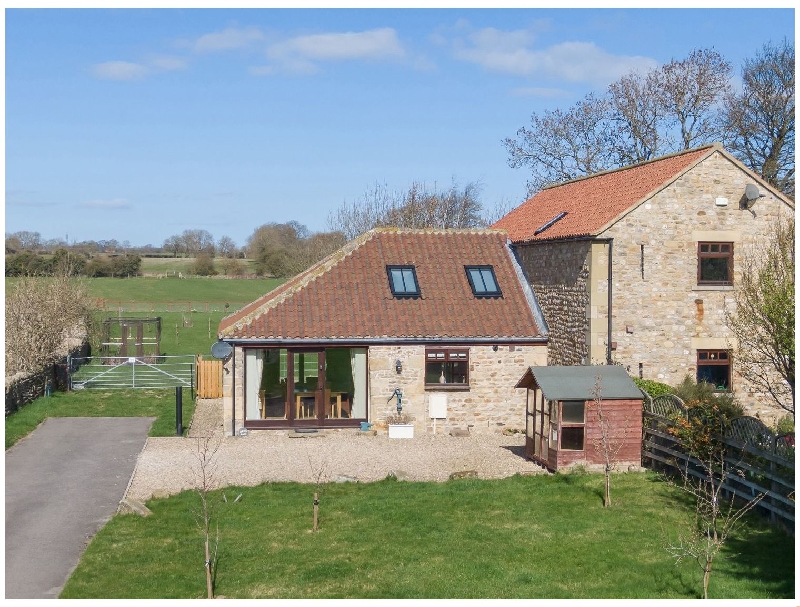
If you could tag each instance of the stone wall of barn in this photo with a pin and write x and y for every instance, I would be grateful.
(490, 404)
(662, 317)
(559, 275)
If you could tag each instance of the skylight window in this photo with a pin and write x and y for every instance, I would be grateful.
(403, 281)
(483, 281)
(542, 228)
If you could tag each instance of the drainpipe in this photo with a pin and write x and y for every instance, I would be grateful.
(233, 395)
(610, 243)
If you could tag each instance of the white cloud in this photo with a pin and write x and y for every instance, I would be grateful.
(301, 54)
(227, 39)
(119, 70)
(513, 52)
(371, 44)
(169, 64)
(114, 203)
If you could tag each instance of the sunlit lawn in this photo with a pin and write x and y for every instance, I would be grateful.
(102, 403)
(523, 537)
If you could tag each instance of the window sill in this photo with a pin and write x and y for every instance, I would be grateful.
(712, 288)
(447, 387)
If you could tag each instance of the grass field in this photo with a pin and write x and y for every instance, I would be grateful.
(181, 333)
(173, 265)
(522, 537)
(102, 403)
(194, 289)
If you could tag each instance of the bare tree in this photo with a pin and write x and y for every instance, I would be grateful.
(764, 316)
(637, 116)
(759, 120)
(226, 247)
(28, 240)
(205, 482)
(418, 207)
(610, 441)
(691, 91)
(319, 474)
(703, 477)
(564, 145)
(670, 108)
(43, 315)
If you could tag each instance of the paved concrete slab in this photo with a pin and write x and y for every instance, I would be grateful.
(63, 483)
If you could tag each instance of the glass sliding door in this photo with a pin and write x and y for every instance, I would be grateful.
(265, 384)
(305, 387)
(345, 383)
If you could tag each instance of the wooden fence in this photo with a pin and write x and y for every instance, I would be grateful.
(758, 461)
(209, 378)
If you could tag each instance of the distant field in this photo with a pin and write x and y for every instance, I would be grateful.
(169, 265)
(195, 289)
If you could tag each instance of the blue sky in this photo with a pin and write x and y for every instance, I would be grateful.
(139, 124)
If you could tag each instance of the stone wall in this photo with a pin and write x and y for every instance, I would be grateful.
(661, 317)
(490, 404)
(559, 275)
(233, 381)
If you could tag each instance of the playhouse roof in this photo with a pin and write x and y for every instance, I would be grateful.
(577, 383)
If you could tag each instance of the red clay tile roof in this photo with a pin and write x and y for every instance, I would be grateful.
(347, 295)
(591, 203)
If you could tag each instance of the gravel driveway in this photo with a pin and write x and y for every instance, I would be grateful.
(167, 465)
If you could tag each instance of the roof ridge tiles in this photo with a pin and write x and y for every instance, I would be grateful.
(636, 165)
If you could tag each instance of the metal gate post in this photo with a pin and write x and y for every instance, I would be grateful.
(179, 411)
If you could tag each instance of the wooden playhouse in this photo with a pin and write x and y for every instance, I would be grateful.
(562, 422)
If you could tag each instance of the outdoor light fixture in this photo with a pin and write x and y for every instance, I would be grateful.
(398, 366)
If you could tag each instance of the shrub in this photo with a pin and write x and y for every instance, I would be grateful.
(203, 266)
(702, 394)
(653, 388)
(785, 425)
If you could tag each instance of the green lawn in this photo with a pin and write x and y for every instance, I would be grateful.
(522, 537)
(102, 403)
(175, 289)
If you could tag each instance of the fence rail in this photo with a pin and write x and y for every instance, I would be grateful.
(117, 373)
(758, 462)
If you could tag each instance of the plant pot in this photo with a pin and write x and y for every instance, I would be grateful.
(401, 430)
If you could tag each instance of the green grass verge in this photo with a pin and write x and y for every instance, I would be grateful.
(522, 537)
(102, 403)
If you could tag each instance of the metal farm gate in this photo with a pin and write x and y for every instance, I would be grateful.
(759, 462)
(117, 373)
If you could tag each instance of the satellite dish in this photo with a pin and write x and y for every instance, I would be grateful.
(221, 349)
(751, 192)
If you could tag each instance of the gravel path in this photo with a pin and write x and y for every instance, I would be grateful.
(167, 465)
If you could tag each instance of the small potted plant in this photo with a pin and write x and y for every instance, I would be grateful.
(400, 424)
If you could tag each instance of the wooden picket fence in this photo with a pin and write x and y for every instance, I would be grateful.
(209, 378)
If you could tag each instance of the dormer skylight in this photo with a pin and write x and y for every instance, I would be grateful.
(403, 281)
(483, 281)
(543, 227)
